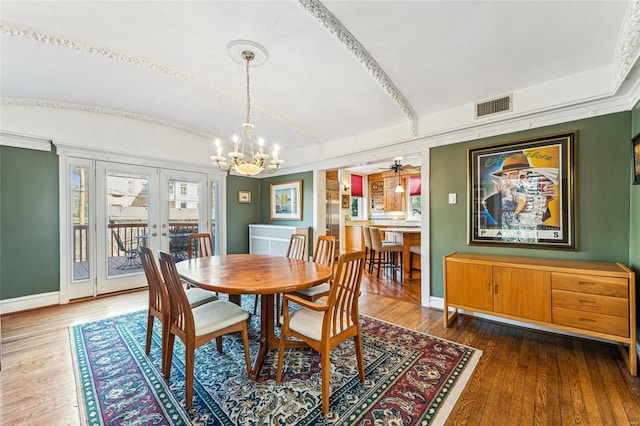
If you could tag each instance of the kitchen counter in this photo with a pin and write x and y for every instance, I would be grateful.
(395, 223)
(405, 230)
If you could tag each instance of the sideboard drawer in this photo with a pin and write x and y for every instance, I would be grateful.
(606, 286)
(616, 306)
(607, 324)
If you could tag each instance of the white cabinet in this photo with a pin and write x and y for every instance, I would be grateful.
(273, 239)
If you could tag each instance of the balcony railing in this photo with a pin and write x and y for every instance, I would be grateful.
(132, 236)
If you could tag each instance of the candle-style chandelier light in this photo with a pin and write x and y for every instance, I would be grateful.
(248, 157)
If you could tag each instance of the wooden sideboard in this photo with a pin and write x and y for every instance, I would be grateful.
(594, 299)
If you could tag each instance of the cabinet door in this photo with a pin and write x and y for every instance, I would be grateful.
(522, 293)
(353, 237)
(469, 285)
(392, 199)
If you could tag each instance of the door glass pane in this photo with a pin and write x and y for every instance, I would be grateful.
(127, 219)
(184, 211)
(80, 225)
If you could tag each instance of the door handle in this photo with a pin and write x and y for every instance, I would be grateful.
(155, 234)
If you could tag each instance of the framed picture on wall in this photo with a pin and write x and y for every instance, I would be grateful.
(286, 200)
(345, 201)
(635, 159)
(244, 197)
(522, 193)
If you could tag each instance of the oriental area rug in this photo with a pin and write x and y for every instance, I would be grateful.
(410, 379)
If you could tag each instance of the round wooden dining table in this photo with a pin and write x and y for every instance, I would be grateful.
(238, 274)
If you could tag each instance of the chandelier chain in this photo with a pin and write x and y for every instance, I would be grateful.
(248, 57)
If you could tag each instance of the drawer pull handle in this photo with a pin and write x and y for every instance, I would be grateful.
(586, 320)
(587, 302)
(585, 283)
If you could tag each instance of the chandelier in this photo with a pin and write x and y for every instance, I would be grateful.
(248, 157)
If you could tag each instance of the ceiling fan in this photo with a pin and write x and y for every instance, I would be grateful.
(397, 167)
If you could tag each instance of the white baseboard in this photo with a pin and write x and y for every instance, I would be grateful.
(438, 303)
(29, 302)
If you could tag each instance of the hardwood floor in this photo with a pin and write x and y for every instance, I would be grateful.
(523, 377)
(407, 291)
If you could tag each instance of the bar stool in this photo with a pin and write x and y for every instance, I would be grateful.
(386, 254)
(413, 250)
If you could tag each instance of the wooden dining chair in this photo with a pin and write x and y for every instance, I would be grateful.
(296, 250)
(199, 245)
(324, 326)
(297, 246)
(159, 300)
(197, 326)
(368, 250)
(324, 254)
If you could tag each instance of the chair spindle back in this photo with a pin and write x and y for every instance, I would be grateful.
(297, 246)
(325, 251)
(158, 293)
(181, 314)
(200, 245)
(345, 290)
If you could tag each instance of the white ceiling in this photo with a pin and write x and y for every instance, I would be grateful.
(167, 61)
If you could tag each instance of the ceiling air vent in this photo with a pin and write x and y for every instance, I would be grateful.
(494, 106)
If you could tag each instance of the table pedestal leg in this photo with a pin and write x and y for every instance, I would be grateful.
(268, 338)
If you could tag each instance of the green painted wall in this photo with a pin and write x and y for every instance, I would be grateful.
(603, 170)
(307, 202)
(634, 221)
(29, 215)
(635, 120)
(634, 217)
(239, 216)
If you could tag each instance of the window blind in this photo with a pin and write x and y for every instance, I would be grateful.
(414, 185)
(356, 186)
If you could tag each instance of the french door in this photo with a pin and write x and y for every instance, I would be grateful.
(121, 207)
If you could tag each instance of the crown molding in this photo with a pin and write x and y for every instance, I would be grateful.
(40, 103)
(23, 141)
(353, 46)
(628, 44)
(56, 40)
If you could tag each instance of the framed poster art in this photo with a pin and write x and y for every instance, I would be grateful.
(244, 197)
(286, 200)
(635, 159)
(522, 193)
